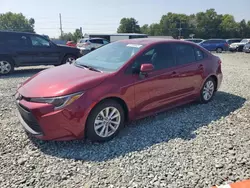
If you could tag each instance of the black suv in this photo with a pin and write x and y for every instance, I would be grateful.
(29, 49)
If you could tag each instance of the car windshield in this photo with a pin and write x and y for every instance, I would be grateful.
(244, 41)
(111, 57)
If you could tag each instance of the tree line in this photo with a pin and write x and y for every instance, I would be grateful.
(208, 24)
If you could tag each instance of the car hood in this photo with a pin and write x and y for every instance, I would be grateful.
(61, 80)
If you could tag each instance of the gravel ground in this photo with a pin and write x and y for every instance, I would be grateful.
(190, 146)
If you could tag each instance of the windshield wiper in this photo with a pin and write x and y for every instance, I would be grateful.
(88, 67)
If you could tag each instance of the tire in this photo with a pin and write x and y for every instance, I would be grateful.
(209, 87)
(6, 66)
(97, 126)
(67, 58)
(92, 49)
(219, 50)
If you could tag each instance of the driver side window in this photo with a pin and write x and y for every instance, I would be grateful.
(146, 57)
(39, 42)
(161, 56)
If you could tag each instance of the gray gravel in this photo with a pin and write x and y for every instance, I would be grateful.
(190, 146)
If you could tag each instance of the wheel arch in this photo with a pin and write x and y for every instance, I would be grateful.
(118, 100)
(8, 57)
(214, 77)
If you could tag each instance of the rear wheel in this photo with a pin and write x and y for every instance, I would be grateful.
(208, 90)
(68, 59)
(105, 121)
(219, 50)
(6, 66)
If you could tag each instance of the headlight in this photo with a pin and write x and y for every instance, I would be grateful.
(59, 102)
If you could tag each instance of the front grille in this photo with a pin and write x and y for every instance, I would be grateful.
(28, 118)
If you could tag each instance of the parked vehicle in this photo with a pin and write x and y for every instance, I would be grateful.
(71, 44)
(230, 41)
(218, 45)
(119, 82)
(238, 47)
(91, 43)
(29, 49)
(195, 40)
(246, 48)
(116, 36)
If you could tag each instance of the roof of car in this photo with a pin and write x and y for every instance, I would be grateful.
(29, 33)
(148, 41)
(91, 38)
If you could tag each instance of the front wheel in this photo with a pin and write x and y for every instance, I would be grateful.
(207, 91)
(105, 121)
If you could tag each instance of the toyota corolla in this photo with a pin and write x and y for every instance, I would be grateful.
(121, 81)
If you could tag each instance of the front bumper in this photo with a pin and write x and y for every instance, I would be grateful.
(233, 49)
(247, 50)
(43, 122)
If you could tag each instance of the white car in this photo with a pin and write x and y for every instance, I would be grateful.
(90, 44)
(238, 46)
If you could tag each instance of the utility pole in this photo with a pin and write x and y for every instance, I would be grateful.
(60, 17)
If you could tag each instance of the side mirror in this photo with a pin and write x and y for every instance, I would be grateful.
(146, 68)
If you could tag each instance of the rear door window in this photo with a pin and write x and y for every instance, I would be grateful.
(184, 54)
(16, 40)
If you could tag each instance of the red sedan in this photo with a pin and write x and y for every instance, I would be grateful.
(119, 82)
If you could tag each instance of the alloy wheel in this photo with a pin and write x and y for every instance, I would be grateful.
(5, 67)
(107, 122)
(208, 90)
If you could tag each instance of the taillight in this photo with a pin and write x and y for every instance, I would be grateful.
(226, 44)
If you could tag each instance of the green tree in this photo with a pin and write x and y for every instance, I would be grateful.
(77, 35)
(128, 25)
(66, 36)
(72, 36)
(229, 27)
(155, 30)
(145, 29)
(243, 29)
(175, 24)
(16, 22)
